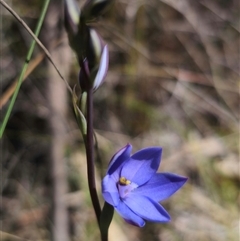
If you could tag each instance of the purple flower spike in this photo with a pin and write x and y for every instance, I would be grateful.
(134, 189)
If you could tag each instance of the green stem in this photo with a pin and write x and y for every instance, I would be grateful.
(29, 55)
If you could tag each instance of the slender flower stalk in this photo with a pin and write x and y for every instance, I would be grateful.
(90, 156)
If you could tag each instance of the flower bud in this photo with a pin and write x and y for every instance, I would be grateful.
(94, 48)
(71, 16)
(95, 8)
(72, 24)
(95, 77)
(103, 68)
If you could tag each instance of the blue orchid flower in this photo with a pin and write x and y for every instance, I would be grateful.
(134, 189)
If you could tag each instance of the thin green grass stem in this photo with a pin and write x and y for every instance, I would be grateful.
(25, 66)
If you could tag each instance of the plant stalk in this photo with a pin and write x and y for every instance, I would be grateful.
(90, 156)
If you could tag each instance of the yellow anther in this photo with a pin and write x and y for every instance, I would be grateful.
(124, 181)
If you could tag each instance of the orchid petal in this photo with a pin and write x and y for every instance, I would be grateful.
(142, 165)
(161, 186)
(110, 191)
(129, 216)
(117, 161)
(147, 208)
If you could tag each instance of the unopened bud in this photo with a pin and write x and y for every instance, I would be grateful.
(103, 68)
(71, 16)
(95, 77)
(95, 46)
(95, 8)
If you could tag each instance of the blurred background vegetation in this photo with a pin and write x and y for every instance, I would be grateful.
(173, 81)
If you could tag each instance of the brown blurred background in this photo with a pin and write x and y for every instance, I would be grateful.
(173, 81)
